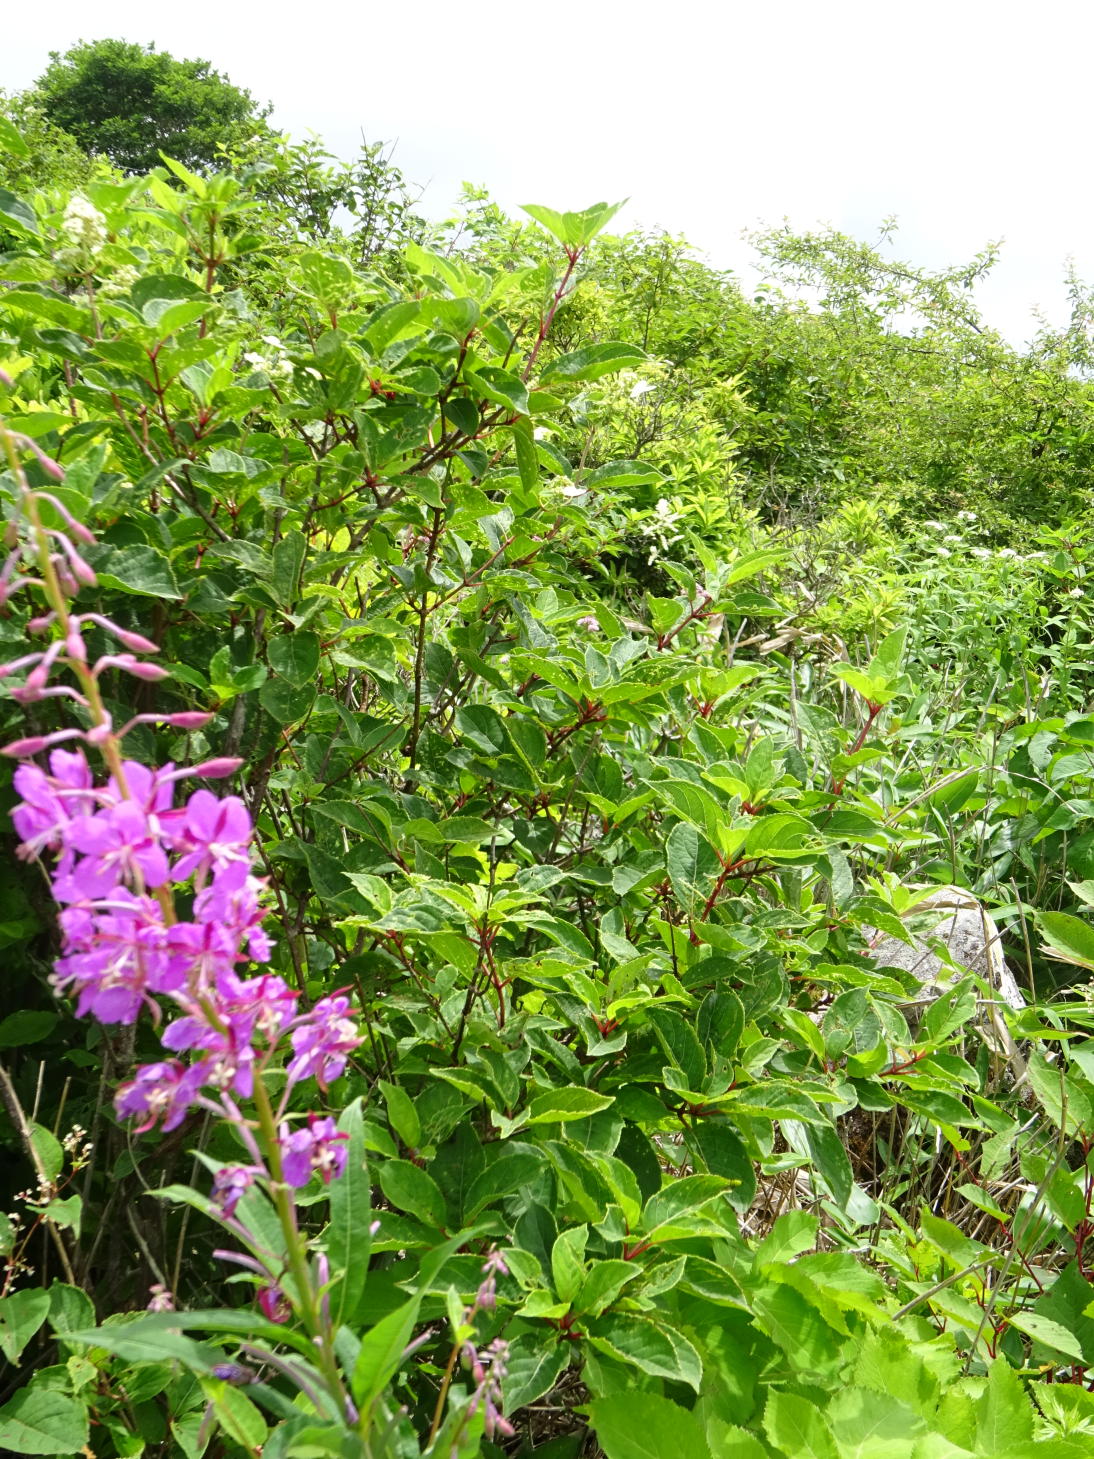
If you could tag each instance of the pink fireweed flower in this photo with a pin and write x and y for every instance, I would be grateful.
(232, 902)
(318, 1146)
(160, 1092)
(231, 1183)
(322, 1041)
(115, 953)
(50, 803)
(214, 833)
(117, 844)
(151, 789)
(274, 1304)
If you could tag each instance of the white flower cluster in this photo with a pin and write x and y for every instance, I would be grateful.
(660, 527)
(120, 281)
(562, 486)
(275, 362)
(83, 223)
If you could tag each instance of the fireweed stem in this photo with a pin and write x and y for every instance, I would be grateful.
(296, 1247)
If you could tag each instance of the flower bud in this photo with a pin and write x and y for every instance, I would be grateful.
(217, 769)
(32, 745)
(187, 719)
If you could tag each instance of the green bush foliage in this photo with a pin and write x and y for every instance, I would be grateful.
(604, 690)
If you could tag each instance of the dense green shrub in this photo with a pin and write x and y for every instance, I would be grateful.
(639, 1147)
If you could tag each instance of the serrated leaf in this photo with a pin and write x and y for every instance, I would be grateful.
(797, 1428)
(646, 1426)
(651, 1346)
(43, 1421)
(21, 1315)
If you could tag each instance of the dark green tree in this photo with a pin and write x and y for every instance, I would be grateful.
(132, 102)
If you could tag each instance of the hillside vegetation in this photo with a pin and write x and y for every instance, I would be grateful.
(476, 694)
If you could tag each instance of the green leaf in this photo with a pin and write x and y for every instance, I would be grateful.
(237, 1414)
(295, 656)
(27, 1026)
(680, 1044)
(723, 1152)
(287, 559)
(618, 474)
(693, 867)
(720, 1022)
(535, 1366)
(831, 1160)
(141, 571)
(680, 1198)
(558, 1105)
(43, 1421)
(145, 1342)
(1048, 1333)
(592, 362)
(413, 1190)
(23, 216)
(401, 1114)
(501, 1178)
(792, 1233)
(527, 457)
(1004, 1418)
(48, 1150)
(285, 704)
(651, 1346)
(1068, 938)
(69, 1307)
(869, 1425)
(11, 139)
(21, 1315)
(798, 1428)
(646, 1426)
(348, 1235)
(604, 1283)
(500, 386)
(381, 1352)
(568, 1261)
(574, 230)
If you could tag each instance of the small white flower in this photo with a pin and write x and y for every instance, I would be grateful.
(1007, 552)
(260, 362)
(590, 623)
(1075, 593)
(935, 526)
(83, 222)
(980, 552)
(953, 537)
(966, 516)
(943, 552)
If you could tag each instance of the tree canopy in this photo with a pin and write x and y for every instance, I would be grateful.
(132, 102)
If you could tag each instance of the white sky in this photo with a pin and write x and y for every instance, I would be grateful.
(968, 120)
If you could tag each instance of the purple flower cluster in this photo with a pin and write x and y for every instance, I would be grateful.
(117, 848)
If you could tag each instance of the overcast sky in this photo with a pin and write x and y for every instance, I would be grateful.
(969, 121)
